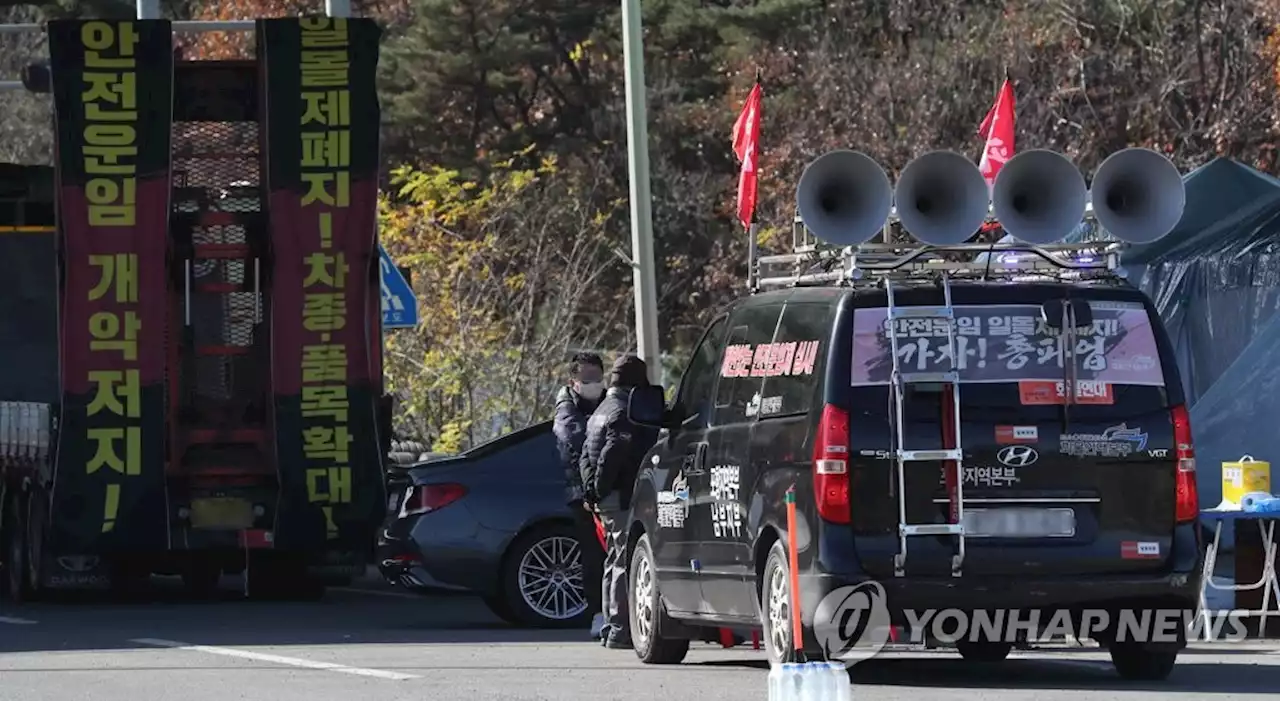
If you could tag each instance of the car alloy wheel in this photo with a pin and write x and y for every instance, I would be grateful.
(643, 598)
(779, 610)
(646, 614)
(551, 578)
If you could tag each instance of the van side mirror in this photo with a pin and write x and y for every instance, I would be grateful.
(648, 407)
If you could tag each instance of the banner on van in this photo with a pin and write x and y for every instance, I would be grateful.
(1010, 343)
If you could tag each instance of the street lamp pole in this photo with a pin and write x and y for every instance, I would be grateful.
(646, 295)
(148, 9)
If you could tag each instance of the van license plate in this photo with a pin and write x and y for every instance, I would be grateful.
(1020, 523)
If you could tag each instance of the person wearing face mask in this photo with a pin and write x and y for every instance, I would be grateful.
(574, 403)
(611, 457)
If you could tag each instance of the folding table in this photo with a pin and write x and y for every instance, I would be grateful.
(1269, 583)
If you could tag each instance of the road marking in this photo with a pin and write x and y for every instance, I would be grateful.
(17, 621)
(275, 659)
(378, 592)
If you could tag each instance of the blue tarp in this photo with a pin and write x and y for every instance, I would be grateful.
(1216, 282)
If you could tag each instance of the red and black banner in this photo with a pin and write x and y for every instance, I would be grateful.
(113, 99)
(322, 117)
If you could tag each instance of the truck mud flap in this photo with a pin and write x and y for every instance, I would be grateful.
(322, 117)
(113, 93)
(75, 572)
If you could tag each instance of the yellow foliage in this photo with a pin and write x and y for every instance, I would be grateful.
(485, 275)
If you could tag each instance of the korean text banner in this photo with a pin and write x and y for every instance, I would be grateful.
(113, 97)
(322, 158)
(1011, 343)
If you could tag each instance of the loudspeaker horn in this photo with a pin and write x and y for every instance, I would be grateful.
(941, 198)
(1039, 197)
(1138, 195)
(844, 198)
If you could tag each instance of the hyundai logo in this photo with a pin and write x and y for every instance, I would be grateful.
(1017, 455)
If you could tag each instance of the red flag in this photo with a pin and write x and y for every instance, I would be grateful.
(998, 130)
(746, 138)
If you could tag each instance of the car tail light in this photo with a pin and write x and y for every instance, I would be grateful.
(1188, 497)
(425, 498)
(831, 465)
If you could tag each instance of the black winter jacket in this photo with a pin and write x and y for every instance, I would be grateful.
(613, 450)
(572, 410)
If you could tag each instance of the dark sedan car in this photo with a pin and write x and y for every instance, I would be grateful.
(491, 521)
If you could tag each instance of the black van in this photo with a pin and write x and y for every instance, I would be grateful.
(1078, 478)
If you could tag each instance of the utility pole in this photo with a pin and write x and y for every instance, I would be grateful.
(646, 294)
(148, 9)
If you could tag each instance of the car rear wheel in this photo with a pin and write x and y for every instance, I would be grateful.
(983, 650)
(500, 608)
(543, 579)
(1142, 663)
(646, 612)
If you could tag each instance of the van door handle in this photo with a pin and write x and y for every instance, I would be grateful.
(695, 460)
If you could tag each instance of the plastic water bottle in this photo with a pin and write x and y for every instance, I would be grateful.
(843, 690)
(791, 681)
(812, 679)
(775, 682)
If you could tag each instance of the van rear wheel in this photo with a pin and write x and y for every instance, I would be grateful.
(775, 602)
(983, 650)
(1140, 663)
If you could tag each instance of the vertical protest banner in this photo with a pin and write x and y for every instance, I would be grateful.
(322, 157)
(113, 102)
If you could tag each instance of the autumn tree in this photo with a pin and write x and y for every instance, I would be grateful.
(503, 269)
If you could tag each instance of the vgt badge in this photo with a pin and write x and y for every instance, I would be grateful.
(1017, 456)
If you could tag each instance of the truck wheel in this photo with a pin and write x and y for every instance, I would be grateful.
(647, 612)
(35, 547)
(130, 580)
(282, 580)
(201, 579)
(16, 556)
(542, 579)
(1140, 663)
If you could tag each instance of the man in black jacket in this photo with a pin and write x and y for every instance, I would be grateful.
(611, 456)
(574, 403)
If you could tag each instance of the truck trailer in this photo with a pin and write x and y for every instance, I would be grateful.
(191, 365)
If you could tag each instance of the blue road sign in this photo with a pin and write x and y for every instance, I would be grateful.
(399, 306)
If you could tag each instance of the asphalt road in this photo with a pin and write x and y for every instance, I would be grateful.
(371, 644)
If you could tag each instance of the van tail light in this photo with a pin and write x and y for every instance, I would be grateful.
(1188, 497)
(425, 498)
(831, 465)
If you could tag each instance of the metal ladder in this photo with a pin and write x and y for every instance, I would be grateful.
(901, 455)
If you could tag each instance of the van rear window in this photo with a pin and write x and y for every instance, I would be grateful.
(1011, 346)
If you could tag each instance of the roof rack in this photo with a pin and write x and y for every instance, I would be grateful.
(1094, 258)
